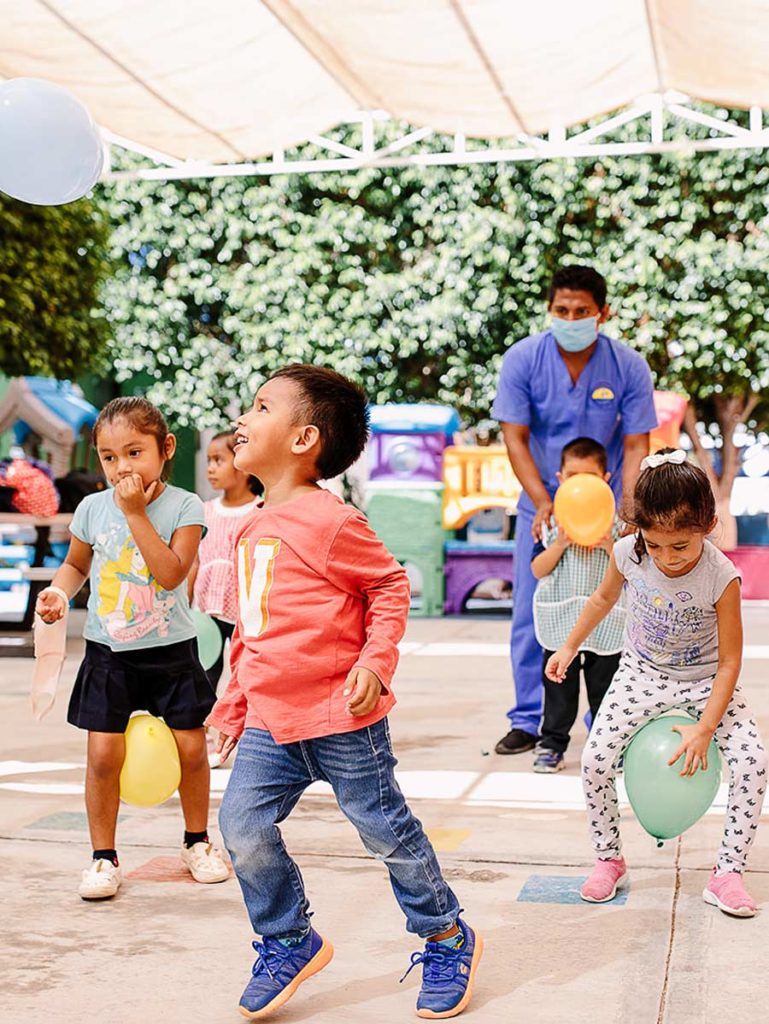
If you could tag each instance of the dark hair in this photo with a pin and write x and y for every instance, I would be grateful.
(673, 496)
(585, 448)
(579, 279)
(337, 407)
(254, 484)
(143, 416)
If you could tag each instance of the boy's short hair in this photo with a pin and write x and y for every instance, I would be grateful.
(337, 407)
(579, 278)
(585, 448)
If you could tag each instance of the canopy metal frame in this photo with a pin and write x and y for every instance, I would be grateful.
(668, 120)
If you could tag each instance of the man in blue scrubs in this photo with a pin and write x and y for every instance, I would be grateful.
(569, 381)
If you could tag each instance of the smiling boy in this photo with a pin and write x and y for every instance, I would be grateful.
(322, 607)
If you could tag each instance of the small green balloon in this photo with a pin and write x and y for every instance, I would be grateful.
(665, 803)
(209, 638)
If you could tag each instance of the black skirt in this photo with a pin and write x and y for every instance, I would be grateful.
(169, 682)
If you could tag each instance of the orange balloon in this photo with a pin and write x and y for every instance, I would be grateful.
(584, 507)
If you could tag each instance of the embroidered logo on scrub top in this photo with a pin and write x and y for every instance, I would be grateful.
(603, 393)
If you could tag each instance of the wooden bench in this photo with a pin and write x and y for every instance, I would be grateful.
(16, 635)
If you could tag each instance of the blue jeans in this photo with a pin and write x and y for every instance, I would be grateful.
(525, 652)
(266, 782)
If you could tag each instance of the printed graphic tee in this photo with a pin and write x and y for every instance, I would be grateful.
(128, 609)
(671, 621)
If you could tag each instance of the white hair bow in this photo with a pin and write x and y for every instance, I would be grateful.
(653, 461)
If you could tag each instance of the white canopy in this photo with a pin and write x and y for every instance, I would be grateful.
(231, 80)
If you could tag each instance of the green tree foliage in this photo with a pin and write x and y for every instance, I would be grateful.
(53, 265)
(416, 280)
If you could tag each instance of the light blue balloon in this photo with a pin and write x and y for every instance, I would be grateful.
(51, 151)
(665, 803)
(209, 638)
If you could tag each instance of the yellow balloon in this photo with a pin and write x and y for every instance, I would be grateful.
(151, 771)
(584, 507)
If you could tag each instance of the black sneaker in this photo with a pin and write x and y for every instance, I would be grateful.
(517, 741)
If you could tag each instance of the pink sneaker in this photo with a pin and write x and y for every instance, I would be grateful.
(602, 884)
(728, 893)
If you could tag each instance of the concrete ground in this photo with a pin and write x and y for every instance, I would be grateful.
(514, 846)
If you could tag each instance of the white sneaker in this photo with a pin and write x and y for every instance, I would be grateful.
(205, 863)
(101, 881)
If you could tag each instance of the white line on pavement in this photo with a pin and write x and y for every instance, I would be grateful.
(750, 652)
(510, 790)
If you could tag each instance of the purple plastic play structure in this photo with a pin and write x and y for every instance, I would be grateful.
(467, 565)
(407, 441)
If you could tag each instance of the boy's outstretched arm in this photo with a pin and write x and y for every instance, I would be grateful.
(360, 564)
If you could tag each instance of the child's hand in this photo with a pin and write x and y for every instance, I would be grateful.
(607, 543)
(366, 690)
(555, 670)
(130, 495)
(225, 745)
(563, 540)
(696, 740)
(50, 606)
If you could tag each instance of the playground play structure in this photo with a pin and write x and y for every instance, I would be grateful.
(433, 502)
(53, 412)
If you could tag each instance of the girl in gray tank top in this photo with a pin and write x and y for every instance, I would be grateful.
(682, 650)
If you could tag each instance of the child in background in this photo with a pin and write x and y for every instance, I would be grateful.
(568, 576)
(137, 541)
(683, 649)
(322, 607)
(212, 578)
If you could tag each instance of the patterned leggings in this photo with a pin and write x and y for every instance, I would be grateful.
(639, 693)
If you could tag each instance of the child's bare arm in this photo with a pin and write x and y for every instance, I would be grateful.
(596, 609)
(168, 563)
(695, 739)
(547, 560)
(69, 577)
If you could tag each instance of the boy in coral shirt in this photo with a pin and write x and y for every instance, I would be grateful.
(322, 607)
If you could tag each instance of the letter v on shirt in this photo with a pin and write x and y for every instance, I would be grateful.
(255, 576)
(319, 595)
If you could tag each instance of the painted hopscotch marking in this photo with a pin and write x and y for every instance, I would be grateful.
(165, 869)
(508, 790)
(561, 889)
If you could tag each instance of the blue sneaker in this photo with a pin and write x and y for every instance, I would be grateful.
(447, 975)
(279, 971)
(547, 761)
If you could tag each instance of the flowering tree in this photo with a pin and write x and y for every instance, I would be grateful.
(53, 267)
(415, 281)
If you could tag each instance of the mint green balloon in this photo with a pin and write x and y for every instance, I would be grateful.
(209, 638)
(665, 803)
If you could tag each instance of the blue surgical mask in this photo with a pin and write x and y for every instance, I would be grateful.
(575, 335)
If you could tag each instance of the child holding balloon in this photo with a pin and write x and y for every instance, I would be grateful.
(212, 579)
(568, 575)
(136, 542)
(683, 649)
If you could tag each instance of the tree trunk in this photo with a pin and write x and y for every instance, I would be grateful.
(730, 411)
